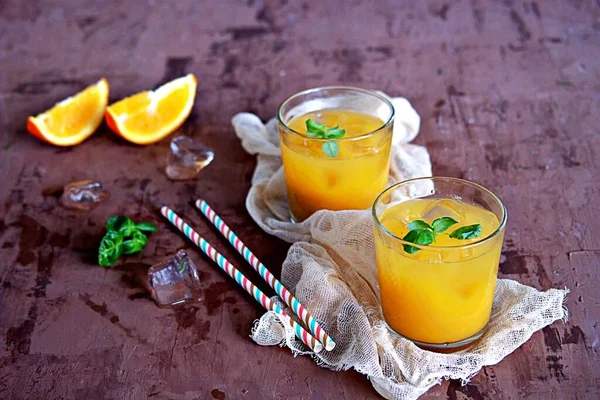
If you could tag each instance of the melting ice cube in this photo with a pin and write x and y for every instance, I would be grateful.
(83, 195)
(187, 158)
(175, 280)
(442, 208)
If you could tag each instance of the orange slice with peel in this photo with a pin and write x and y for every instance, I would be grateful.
(74, 119)
(149, 116)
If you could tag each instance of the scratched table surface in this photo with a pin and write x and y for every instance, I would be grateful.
(509, 96)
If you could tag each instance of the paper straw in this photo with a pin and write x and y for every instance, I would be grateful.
(233, 272)
(281, 290)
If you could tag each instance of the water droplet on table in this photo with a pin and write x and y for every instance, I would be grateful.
(83, 195)
(175, 281)
(187, 158)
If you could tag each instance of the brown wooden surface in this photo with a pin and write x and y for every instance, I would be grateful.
(509, 96)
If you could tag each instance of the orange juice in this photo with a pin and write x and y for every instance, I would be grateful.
(350, 180)
(442, 293)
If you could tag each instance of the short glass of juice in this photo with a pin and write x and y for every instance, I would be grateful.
(438, 242)
(344, 162)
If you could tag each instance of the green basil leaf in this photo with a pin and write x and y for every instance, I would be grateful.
(114, 223)
(127, 228)
(418, 224)
(467, 232)
(130, 246)
(314, 129)
(410, 237)
(111, 248)
(335, 133)
(146, 227)
(442, 224)
(410, 249)
(181, 267)
(135, 244)
(418, 236)
(331, 148)
(424, 237)
(141, 238)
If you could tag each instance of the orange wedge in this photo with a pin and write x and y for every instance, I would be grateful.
(147, 117)
(74, 119)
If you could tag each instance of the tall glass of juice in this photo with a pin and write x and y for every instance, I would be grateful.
(438, 243)
(335, 170)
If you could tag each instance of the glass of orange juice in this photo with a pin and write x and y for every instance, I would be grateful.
(326, 168)
(438, 243)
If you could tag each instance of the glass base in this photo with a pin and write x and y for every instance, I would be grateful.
(442, 347)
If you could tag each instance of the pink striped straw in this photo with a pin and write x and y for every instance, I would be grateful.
(281, 290)
(233, 272)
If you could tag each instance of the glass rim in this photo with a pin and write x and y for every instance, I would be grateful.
(441, 248)
(349, 88)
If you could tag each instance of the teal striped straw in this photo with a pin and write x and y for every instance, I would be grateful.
(268, 277)
(233, 272)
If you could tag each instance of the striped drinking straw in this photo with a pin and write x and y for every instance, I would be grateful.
(233, 272)
(285, 294)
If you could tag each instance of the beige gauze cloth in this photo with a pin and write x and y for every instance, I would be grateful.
(331, 269)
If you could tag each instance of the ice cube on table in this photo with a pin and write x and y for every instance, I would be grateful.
(83, 195)
(441, 208)
(175, 281)
(187, 158)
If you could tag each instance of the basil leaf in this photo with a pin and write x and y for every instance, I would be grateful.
(418, 236)
(141, 238)
(314, 129)
(418, 224)
(467, 232)
(146, 227)
(122, 224)
(331, 148)
(181, 267)
(119, 228)
(135, 244)
(127, 228)
(130, 247)
(424, 237)
(442, 224)
(110, 249)
(335, 133)
(114, 223)
(410, 237)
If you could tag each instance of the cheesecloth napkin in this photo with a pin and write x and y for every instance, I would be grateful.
(331, 269)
